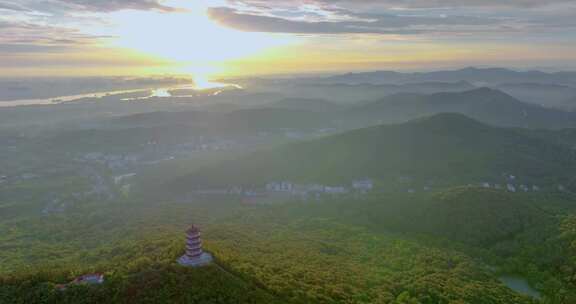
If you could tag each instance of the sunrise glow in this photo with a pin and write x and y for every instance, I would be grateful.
(189, 39)
(217, 38)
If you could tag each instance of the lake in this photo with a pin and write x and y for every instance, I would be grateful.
(520, 285)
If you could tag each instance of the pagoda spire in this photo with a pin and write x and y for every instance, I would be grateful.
(195, 255)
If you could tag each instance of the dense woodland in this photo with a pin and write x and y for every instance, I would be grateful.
(392, 248)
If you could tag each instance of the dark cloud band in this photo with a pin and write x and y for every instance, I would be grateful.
(357, 24)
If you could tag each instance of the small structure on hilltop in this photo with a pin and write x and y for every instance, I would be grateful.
(88, 279)
(194, 256)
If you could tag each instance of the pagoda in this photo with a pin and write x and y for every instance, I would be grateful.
(194, 256)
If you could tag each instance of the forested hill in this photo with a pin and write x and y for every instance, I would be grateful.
(447, 147)
(484, 217)
(390, 248)
(485, 104)
(158, 283)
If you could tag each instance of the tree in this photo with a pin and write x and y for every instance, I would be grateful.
(406, 298)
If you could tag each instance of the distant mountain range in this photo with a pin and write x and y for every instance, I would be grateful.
(484, 104)
(553, 90)
(480, 76)
(487, 105)
(548, 95)
(345, 93)
(305, 104)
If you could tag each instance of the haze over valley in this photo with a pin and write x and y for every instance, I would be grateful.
(287, 152)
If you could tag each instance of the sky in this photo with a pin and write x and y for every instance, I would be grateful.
(216, 38)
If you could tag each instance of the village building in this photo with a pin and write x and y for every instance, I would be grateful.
(363, 185)
(235, 190)
(195, 255)
(273, 186)
(315, 188)
(94, 278)
(213, 191)
(301, 191)
(335, 190)
(511, 188)
(279, 186)
(120, 179)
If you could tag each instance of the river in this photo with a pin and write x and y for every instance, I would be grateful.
(216, 89)
(61, 99)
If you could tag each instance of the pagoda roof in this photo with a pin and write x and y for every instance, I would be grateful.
(193, 229)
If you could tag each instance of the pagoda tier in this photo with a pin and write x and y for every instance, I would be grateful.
(194, 247)
(196, 244)
(194, 255)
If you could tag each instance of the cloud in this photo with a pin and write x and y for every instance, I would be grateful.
(116, 5)
(407, 3)
(58, 8)
(30, 48)
(256, 23)
(347, 23)
(10, 6)
(35, 38)
(54, 30)
(439, 19)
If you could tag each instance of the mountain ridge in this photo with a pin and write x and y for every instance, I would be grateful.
(486, 104)
(449, 147)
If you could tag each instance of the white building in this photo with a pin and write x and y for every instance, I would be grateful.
(335, 190)
(363, 185)
(235, 190)
(280, 186)
(122, 178)
(315, 188)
